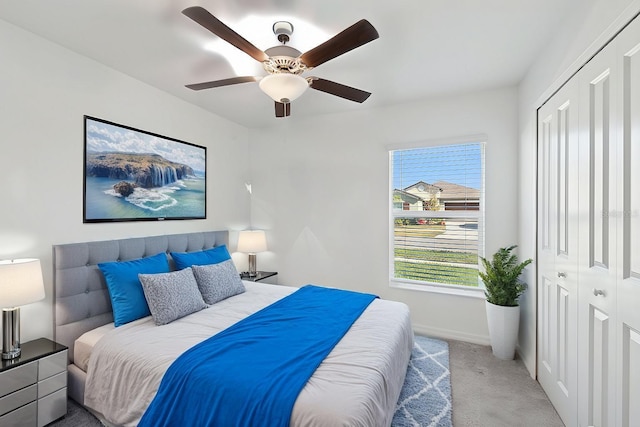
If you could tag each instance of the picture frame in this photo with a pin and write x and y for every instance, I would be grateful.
(135, 175)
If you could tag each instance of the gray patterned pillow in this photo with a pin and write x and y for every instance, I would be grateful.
(171, 295)
(218, 281)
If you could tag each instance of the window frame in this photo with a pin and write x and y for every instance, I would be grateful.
(423, 286)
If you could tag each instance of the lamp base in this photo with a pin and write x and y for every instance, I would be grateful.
(13, 354)
(11, 333)
(252, 266)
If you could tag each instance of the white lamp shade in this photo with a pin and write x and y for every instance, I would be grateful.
(252, 241)
(283, 87)
(20, 282)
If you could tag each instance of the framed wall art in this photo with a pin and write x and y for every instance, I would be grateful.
(134, 175)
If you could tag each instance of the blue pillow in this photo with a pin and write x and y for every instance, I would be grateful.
(206, 257)
(127, 297)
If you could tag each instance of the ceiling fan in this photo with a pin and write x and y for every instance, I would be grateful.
(284, 64)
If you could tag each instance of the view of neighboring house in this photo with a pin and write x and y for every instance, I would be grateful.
(439, 196)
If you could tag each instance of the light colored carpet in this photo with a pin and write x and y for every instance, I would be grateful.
(77, 416)
(490, 392)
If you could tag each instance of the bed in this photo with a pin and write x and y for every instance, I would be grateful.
(358, 383)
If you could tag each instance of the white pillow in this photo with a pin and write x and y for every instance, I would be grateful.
(171, 295)
(218, 281)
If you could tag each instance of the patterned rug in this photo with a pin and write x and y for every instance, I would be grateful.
(425, 399)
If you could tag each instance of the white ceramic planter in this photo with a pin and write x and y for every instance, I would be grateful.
(503, 329)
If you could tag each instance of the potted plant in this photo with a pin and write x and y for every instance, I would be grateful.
(502, 290)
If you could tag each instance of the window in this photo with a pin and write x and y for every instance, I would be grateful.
(437, 197)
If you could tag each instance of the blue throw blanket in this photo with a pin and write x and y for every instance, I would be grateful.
(251, 373)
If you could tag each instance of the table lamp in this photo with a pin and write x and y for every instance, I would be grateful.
(252, 241)
(20, 283)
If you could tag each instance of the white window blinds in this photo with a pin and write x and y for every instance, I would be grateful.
(437, 197)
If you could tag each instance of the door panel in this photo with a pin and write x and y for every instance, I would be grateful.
(631, 131)
(597, 225)
(545, 326)
(563, 115)
(546, 251)
(564, 344)
(599, 370)
(630, 384)
(628, 391)
(558, 251)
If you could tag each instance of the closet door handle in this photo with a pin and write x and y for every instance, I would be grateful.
(597, 292)
(562, 275)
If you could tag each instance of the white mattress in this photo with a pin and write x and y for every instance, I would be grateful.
(84, 345)
(358, 384)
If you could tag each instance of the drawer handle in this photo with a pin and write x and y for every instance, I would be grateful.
(597, 292)
(562, 275)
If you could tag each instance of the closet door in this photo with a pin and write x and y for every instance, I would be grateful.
(597, 230)
(629, 234)
(558, 250)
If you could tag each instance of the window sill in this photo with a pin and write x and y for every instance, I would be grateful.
(438, 289)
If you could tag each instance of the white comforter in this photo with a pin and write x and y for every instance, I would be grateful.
(358, 384)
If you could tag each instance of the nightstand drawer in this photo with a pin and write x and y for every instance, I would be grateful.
(52, 365)
(18, 377)
(18, 399)
(52, 384)
(21, 417)
(52, 407)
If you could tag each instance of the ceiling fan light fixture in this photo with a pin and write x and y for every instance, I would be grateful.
(283, 87)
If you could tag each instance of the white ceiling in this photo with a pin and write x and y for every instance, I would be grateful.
(426, 47)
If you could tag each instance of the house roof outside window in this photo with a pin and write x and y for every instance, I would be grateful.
(449, 196)
(451, 191)
(423, 187)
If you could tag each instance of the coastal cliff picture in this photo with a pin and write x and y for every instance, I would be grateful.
(133, 175)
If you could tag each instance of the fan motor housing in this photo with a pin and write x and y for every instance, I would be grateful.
(283, 59)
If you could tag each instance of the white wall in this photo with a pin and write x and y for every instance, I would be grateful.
(320, 188)
(44, 92)
(587, 29)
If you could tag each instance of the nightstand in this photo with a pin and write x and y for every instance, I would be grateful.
(33, 387)
(262, 276)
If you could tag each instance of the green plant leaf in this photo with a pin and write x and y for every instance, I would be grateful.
(500, 277)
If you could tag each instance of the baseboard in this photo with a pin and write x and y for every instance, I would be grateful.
(530, 364)
(449, 334)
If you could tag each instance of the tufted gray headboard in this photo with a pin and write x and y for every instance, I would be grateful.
(81, 300)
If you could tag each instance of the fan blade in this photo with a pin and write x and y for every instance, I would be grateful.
(337, 89)
(282, 109)
(213, 24)
(360, 33)
(225, 82)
